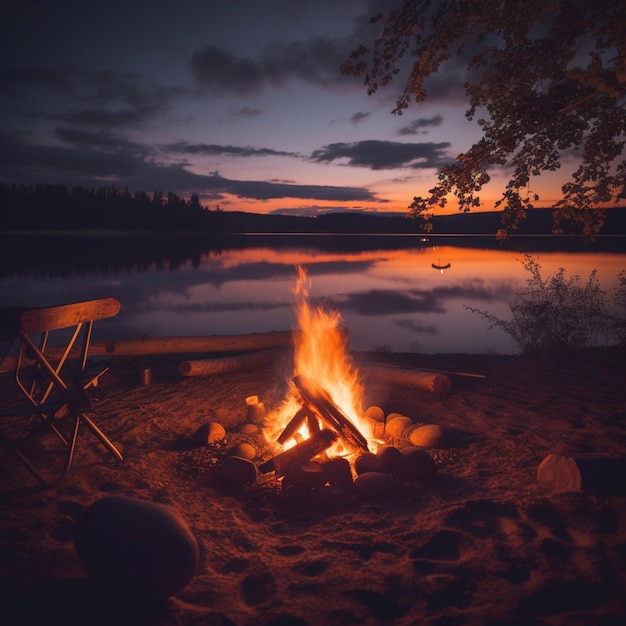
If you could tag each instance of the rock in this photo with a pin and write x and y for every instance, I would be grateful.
(237, 472)
(375, 428)
(375, 413)
(243, 450)
(390, 460)
(376, 486)
(249, 429)
(309, 476)
(216, 432)
(366, 462)
(396, 426)
(338, 473)
(200, 438)
(429, 436)
(417, 464)
(137, 547)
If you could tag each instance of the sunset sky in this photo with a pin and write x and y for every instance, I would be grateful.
(241, 102)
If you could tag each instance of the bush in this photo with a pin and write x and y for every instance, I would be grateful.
(557, 316)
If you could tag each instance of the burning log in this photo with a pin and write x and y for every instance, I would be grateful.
(292, 427)
(299, 454)
(435, 382)
(223, 365)
(331, 414)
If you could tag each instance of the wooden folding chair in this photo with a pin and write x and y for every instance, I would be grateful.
(53, 380)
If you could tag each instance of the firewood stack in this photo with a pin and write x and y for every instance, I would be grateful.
(326, 423)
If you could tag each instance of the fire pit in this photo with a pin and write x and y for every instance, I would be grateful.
(321, 430)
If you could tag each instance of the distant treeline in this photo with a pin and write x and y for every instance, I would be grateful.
(55, 207)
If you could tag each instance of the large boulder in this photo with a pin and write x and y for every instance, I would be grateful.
(136, 546)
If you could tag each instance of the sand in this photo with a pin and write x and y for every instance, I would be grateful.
(482, 543)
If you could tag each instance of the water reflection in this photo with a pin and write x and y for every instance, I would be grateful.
(387, 293)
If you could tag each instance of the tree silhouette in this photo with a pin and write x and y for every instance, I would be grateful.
(545, 80)
(55, 207)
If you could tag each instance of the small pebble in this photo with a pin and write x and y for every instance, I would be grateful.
(375, 413)
(396, 426)
(376, 486)
(390, 460)
(429, 436)
(366, 462)
(417, 464)
(216, 432)
(237, 472)
(243, 450)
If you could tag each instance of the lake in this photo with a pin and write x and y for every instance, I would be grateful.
(397, 293)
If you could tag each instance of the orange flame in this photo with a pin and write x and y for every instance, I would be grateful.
(321, 358)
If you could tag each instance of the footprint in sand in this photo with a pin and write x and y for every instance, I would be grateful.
(257, 588)
(446, 545)
(481, 518)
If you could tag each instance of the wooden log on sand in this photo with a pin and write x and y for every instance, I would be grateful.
(225, 365)
(211, 343)
(435, 382)
(173, 345)
(589, 472)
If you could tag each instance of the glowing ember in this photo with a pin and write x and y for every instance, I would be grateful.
(320, 359)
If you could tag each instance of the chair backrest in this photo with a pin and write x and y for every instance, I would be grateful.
(39, 320)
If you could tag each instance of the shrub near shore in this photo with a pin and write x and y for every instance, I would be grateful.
(557, 316)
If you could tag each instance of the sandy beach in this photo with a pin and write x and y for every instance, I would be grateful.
(482, 542)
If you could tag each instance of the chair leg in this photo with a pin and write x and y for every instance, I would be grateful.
(101, 437)
(71, 445)
(104, 440)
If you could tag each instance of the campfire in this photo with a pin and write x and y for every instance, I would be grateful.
(320, 435)
(321, 418)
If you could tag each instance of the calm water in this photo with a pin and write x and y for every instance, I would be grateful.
(386, 290)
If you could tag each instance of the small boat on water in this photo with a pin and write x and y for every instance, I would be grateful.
(441, 267)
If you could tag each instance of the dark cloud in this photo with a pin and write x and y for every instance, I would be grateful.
(359, 117)
(418, 125)
(418, 327)
(386, 302)
(379, 155)
(390, 302)
(219, 275)
(315, 61)
(214, 149)
(261, 190)
(97, 139)
(117, 118)
(95, 159)
(315, 210)
(218, 71)
(247, 112)
(91, 98)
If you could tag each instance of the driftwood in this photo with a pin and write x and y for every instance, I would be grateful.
(331, 414)
(210, 343)
(299, 454)
(173, 345)
(595, 472)
(435, 382)
(224, 365)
